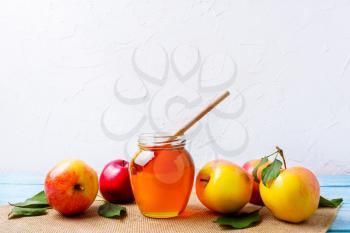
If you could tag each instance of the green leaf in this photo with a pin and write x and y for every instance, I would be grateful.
(37, 201)
(17, 212)
(263, 160)
(36, 205)
(109, 210)
(333, 203)
(272, 171)
(241, 221)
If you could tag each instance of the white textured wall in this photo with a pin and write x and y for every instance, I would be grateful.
(83, 78)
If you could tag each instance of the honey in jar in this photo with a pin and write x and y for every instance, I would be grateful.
(162, 174)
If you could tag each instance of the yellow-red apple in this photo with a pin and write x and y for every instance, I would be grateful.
(293, 196)
(223, 186)
(71, 186)
(249, 167)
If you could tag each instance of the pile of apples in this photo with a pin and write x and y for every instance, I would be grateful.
(72, 185)
(222, 186)
(225, 187)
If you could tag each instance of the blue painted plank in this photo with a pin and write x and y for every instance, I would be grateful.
(336, 192)
(334, 187)
(343, 231)
(15, 193)
(334, 180)
(342, 221)
(22, 178)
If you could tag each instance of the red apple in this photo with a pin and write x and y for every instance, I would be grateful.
(115, 183)
(249, 167)
(71, 186)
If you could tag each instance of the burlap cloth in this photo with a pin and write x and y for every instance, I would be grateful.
(195, 218)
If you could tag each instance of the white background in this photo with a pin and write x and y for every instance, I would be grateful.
(83, 78)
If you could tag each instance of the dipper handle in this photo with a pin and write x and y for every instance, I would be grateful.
(202, 113)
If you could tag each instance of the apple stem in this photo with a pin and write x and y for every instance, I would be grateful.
(272, 154)
(280, 152)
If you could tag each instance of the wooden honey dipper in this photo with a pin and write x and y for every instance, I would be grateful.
(202, 113)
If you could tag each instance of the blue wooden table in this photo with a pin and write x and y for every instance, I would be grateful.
(17, 187)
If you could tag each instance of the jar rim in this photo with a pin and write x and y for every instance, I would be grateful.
(161, 140)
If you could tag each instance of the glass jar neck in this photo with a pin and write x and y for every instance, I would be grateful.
(150, 141)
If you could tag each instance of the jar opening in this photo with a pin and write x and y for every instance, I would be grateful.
(161, 141)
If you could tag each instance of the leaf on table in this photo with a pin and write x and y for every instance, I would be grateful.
(240, 221)
(36, 205)
(271, 171)
(109, 210)
(17, 212)
(333, 203)
(263, 160)
(37, 201)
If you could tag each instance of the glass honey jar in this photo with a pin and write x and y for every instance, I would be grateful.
(162, 174)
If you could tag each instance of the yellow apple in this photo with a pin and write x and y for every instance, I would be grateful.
(293, 196)
(223, 186)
